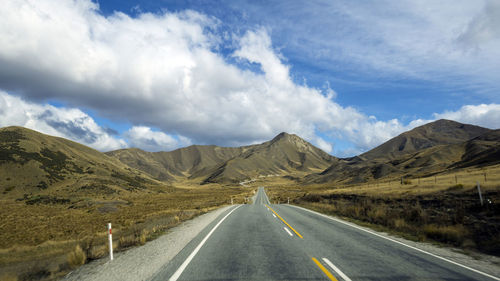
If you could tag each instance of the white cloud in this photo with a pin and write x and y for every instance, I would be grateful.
(323, 145)
(147, 139)
(485, 115)
(162, 70)
(68, 123)
(455, 43)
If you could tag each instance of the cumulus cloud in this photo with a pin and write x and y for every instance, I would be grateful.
(323, 145)
(161, 71)
(485, 115)
(147, 139)
(70, 123)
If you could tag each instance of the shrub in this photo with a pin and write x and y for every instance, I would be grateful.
(76, 257)
(377, 213)
(97, 251)
(400, 224)
(143, 237)
(8, 277)
(127, 241)
(454, 234)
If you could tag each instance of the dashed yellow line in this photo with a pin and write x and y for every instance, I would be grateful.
(324, 270)
(298, 234)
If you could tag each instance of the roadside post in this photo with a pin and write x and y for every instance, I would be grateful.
(479, 191)
(110, 237)
(231, 200)
(288, 200)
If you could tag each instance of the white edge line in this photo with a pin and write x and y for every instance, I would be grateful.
(274, 215)
(183, 266)
(401, 243)
(327, 261)
(286, 229)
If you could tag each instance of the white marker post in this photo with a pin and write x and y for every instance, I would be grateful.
(231, 200)
(479, 191)
(288, 200)
(110, 236)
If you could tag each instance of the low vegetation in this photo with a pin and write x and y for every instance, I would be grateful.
(44, 237)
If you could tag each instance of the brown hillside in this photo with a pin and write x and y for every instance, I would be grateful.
(430, 149)
(32, 163)
(286, 154)
(435, 133)
(192, 161)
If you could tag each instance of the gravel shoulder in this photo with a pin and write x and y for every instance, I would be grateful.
(141, 263)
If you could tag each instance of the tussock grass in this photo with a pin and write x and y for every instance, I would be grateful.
(42, 241)
(77, 257)
(8, 277)
(454, 234)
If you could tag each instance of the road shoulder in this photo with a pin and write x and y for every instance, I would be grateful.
(141, 263)
(482, 262)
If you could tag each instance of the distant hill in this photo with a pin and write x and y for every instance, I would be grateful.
(429, 149)
(32, 163)
(192, 161)
(481, 151)
(439, 132)
(285, 154)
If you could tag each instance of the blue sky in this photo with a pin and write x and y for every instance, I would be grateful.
(345, 75)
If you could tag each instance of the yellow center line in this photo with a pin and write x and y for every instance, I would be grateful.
(324, 270)
(298, 234)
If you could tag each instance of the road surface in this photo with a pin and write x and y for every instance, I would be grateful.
(266, 241)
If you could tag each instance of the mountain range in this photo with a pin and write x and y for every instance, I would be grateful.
(32, 162)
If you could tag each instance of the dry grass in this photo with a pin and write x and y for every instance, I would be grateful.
(77, 257)
(454, 234)
(488, 178)
(42, 241)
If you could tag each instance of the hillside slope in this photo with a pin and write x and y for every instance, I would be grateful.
(439, 132)
(190, 161)
(286, 154)
(433, 148)
(32, 163)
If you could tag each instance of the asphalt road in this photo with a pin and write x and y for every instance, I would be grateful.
(265, 241)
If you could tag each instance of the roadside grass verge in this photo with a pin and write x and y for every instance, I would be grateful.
(44, 241)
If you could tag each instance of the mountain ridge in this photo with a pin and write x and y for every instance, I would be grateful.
(287, 153)
(431, 134)
(428, 149)
(431, 148)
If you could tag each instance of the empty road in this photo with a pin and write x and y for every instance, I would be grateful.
(265, 241)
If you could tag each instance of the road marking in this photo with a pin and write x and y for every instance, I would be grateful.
(298, 234)
(401, 243)
(324, 270)
(286, 229)
(274, 215)
(336, 269)
(183, 266)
